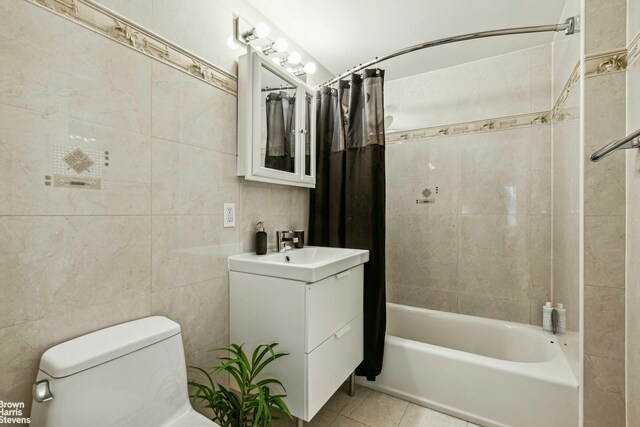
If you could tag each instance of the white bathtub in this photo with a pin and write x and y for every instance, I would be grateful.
(490, 372)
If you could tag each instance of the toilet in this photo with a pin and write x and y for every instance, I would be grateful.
(132, 374)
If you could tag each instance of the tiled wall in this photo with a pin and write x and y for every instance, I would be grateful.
(151, 240)
(604, 223)
(633, 228)
(483, 247)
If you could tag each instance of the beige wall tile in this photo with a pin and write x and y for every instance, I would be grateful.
(603, 392)
(604, 322)
(54, 265)
(202, 309)
(604, 250)
(605, 26)
(493, 308)
(192, 180)
(189, 249)
(190, 111)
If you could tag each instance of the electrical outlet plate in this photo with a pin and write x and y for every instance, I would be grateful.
(229, 215)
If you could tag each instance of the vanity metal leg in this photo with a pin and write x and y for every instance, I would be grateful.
(352, 384)
(299, 422)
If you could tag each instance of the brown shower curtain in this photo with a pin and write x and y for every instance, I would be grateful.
(348, 204)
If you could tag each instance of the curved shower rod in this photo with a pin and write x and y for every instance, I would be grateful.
(569, 27)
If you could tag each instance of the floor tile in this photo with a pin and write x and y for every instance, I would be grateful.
(342, 421)
(418, 416)
(375, 409)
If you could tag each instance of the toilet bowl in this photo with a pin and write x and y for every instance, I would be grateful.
(131, 374)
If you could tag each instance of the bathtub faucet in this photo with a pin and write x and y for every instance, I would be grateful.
(283, 237)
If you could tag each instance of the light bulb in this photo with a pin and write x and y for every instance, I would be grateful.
(280, 45)
(310, 68)
(231, 43)
(261, 30)
(275, 59)
(294, 58)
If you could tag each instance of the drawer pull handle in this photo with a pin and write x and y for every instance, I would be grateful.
(342, 331)
(343, 274)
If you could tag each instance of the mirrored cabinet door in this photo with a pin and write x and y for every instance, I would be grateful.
(276, 123)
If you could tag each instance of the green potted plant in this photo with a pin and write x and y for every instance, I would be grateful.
(253, 402)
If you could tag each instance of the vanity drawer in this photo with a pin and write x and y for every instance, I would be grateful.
(329, 365)
(332, 303)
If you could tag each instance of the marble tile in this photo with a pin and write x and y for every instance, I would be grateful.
(604, 322)
(493, 308)
(26, 145)
(433, 236)
(62, 263)
(202, 310)
(494, 276)
(263, 199)
(504, 192)
(424, 297)
(190, 249)
(375, 409)
(603, 23)
(540, 147)
(495, 151)
(493, 235)
(603, 392)
(604, 252)
(192, 180)
(192, 112)
(633, 318)
(604, 189)
(539, 238)
(493, 90)
(418, 416)
(604, 109)
(105, 92)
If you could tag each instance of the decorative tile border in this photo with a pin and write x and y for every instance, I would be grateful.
(495, 124)
(612, 61)
(572, 81)
(101, 20)
(633, 50)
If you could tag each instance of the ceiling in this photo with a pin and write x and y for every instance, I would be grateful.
(341, 34)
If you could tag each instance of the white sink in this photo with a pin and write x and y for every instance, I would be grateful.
(308, 264)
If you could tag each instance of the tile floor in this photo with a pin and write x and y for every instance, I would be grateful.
(369, 408)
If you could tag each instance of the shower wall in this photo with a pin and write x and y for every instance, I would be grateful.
(633, 224)
(478, 138)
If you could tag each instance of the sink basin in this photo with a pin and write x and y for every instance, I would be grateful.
(308, 264)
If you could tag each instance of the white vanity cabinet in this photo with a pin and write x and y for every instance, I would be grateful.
(320, 324)
(276, 123)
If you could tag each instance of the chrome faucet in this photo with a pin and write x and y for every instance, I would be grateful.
(283, 237)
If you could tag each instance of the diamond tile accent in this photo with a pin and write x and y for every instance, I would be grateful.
(78, 161)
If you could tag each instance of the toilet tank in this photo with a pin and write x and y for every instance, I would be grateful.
(131, 374)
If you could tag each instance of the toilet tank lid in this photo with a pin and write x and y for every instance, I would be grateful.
(104, 345)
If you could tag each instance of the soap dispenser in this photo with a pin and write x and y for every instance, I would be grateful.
(261, 240)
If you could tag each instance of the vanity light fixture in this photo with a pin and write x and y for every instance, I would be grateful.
(279, 45)
(309, 69)
(260, 31)
(293, 59)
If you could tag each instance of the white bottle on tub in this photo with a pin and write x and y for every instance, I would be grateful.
(547, 318)
(561, 319)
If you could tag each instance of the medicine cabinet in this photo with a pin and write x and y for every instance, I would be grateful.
(276, 123)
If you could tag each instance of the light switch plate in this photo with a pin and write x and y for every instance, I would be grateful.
(229, 215)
